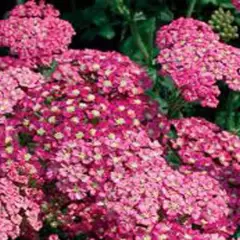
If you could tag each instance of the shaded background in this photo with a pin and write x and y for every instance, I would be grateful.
(84, 15)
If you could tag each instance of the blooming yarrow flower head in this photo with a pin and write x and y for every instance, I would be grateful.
(111, 72)
(55, 115)
(89, 94)
(95, 160)
(173, 230)
(20, 192)
(197, 148)
(35, 33)
(184, 30)
(11, 203)
(21, 181)
(197, 86)
(196, 64)
(105, 169)
(197, 200)
(203, 146)
(17, 210)
(14, 84)
(115, 173)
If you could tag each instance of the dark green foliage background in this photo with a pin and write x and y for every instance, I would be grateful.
(130, 26)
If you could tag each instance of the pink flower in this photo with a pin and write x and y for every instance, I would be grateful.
(53, 237)
(236, 4)
(195, 59)
(33, 33)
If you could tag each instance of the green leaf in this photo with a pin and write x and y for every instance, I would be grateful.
(129, 48)
(98, 17)
(101, 4)
(20, 1)
(89, 34)
(221, 3)
(165, 15)
(173, 159)
(146, 31)
(237, 234)
(81, 237)
(163, 105)
(172, 133)
(152, 74)
(205, 2)
(168, 83)
(47, 71)
(139, 16)
(107, 32)
(24, 139)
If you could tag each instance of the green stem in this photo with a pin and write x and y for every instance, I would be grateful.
(139, 42)
(191, 8)
(176, 107)
(230, 112)
(151, 37)
(125, 12)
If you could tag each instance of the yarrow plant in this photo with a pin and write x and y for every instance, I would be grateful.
(32, 32)
(85, 152)
(196, 52)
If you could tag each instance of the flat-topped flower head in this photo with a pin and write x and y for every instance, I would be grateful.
(204, 146)
(111, 72)
(196, 64)
(21, 190)
(184, 30)
(35, 33)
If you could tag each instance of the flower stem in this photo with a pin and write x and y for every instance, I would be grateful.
(139, 42)
(230, 123)
(191, 7)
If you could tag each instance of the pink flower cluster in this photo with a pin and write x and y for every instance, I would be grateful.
(167, 230)
(20, 186)
(112, 72)
(197, 148)
(94, 142)
(216, 153)
(236, 4)
(195, 59)
(184, 30)
(126, 188)
(14, 84)
(35, 33)
(90, 98)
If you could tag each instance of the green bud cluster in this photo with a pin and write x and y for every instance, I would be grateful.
(222, 22)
